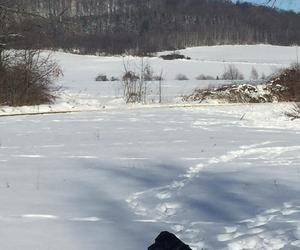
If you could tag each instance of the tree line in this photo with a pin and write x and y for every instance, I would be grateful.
(145, 26)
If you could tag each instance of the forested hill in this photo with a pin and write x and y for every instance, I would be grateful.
(115, 26)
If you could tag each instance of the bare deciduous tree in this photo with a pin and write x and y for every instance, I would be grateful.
(254, 74)
(136, 82)
(232, 73)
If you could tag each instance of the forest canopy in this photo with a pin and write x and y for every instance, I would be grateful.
(145, 26)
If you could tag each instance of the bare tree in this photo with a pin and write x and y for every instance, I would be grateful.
(254, 74)
(132, 92)
(138, 82)
(232, 73)
(271, 2)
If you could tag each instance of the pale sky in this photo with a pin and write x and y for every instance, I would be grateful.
(283, 4)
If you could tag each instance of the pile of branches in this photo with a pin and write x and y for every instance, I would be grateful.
(282, 87)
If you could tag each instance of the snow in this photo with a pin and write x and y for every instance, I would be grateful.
(113, 177)
(80, 91)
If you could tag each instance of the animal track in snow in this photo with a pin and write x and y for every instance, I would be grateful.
(160, 195)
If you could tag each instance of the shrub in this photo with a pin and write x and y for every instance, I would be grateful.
(263, 76)
(295, 66)
(294, 113)
(232, 73)
(181, 77)
(132, 87)
(174, 56)
(158, 78)
(114, 79)
(27, 78)
(136, 82)
(101, 78)
(254, 74)
(148, 73)
(204, 77)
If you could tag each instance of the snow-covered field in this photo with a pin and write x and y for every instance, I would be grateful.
(82, 92)
(219, 176)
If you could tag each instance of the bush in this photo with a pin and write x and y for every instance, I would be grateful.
(294, 113)
(254, 74)
(27, 78)
(205, 77)
(101, 78)
(132, 87)
(174, 56)
(114, 79)
(148, 73)
(158, 78)
(181, 77)
(232, 73)
(136, 82)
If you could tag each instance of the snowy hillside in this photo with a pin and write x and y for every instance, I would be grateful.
(219, 176)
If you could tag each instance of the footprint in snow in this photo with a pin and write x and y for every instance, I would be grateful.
(272, 229)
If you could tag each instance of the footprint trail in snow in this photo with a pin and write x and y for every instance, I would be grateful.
(162, 205)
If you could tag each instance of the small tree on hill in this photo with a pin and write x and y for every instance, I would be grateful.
(254, 74)
(232, 73)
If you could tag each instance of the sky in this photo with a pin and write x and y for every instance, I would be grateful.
(283, 4)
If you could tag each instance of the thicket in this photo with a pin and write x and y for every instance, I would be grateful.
(27, 78)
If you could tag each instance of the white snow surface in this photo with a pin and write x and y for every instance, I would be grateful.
(218, 176)
(80, 91)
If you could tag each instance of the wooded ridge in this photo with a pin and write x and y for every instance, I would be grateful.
(143, 26)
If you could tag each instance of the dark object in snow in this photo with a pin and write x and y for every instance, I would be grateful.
(101, 78)
(168, 241)
(174, 56)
